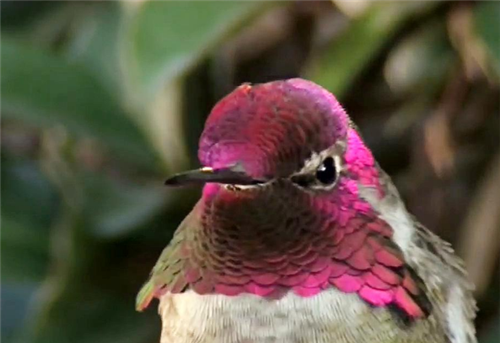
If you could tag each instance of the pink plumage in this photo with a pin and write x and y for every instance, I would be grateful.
(301, 242)
(296, 219)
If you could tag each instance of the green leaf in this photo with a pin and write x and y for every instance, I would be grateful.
(96, 45)
(15, 301)
(89, 295)
(486, 15)
(115, 208)
(95, 317)
(167, 37)
(346, 56)
(44, 89)
(29, 204)
(24, 251)
(421, 61)
(492, 334)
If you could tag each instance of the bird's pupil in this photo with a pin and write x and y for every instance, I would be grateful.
(326, 173)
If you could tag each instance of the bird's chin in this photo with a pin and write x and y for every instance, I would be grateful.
(262, 192)
(242, 188)
(213, 189)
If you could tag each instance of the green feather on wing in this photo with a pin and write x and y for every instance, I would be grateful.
(145, 296)
(168, 269)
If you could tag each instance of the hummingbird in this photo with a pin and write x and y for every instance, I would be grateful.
(300, 236)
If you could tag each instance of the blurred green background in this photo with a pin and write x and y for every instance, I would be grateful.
(101, 101)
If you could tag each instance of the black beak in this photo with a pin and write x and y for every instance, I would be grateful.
(206, 174)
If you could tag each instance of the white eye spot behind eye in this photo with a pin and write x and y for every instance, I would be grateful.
(315, 174)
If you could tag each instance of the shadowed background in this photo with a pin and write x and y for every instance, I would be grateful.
(101, 101)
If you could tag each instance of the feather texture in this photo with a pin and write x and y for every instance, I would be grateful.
(340, 263)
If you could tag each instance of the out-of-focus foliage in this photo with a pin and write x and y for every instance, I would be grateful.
(101, 100)
(66, 94)
(486, 25)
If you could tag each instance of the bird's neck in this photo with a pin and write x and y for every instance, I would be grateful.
(264, 244)
(258, 223)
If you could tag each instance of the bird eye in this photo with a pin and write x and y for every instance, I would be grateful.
(327, 173)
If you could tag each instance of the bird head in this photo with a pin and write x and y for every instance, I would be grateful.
(291, 131)
(282, 206)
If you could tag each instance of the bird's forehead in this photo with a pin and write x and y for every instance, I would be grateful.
(272, 128)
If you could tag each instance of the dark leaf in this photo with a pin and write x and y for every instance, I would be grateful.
(44, 89)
